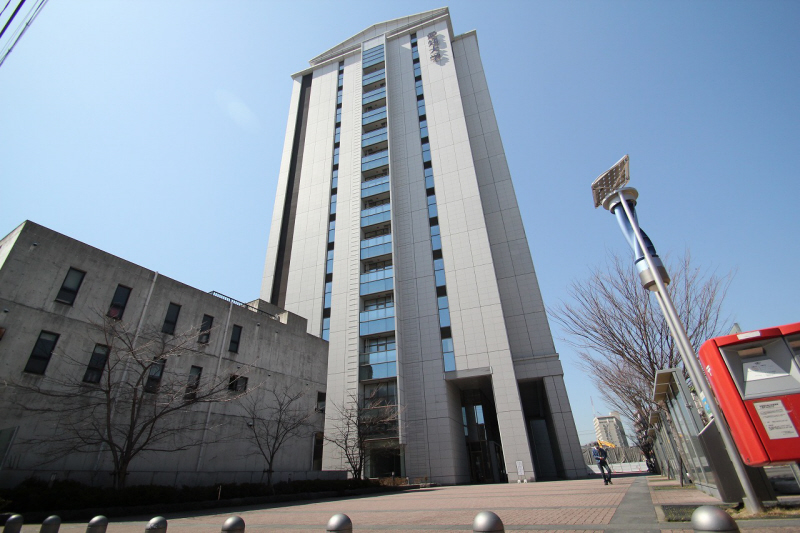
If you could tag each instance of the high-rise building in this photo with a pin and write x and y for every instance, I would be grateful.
(397, 233)
(609, 429)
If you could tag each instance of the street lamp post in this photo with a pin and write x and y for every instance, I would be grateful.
(609, 191)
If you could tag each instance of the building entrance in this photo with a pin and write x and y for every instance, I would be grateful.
(482, 438)
(384, 459)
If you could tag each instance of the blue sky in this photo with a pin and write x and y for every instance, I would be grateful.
(153, 130)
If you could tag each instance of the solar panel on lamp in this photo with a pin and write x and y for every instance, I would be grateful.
(611, 180)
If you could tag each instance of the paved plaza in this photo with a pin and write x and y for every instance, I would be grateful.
(565, 506)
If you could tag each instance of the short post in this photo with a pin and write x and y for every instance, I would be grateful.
(486, 521)
(51, 524)
(98, 524)
(234, 524)
(339, 522)
(708, 518)
(13, 524)
(157, 524)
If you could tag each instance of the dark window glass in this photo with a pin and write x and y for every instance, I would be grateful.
(171, 320)
(320, 402)
(194, 383)
(42, 350)
(119, 301)
(69, 289)
(96, 364)
(319, 440)
(205, 329)
(237, 383)
(236, 335)
(154, 376)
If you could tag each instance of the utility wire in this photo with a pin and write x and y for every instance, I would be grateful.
(14, 14)
(4, 8)
(29, 18)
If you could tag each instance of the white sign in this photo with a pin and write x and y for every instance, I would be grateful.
(520, 469)
(776, 420)
(764, 369)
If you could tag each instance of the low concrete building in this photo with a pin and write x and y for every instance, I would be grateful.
(60, 299)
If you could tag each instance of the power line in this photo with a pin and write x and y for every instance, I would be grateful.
(4, 8)
(22, 28)
(11, 18)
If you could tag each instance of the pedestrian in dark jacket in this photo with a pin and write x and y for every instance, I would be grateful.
(600, 456)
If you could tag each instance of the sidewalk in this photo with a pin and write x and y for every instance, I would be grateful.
(628, 505)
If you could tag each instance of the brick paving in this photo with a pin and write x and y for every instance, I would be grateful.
(577, 506)
(672, 493)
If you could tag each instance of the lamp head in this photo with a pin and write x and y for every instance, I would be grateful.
(611, 181)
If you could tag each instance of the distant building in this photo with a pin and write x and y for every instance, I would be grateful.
(609, 429)
(53, 291)
(397, 233)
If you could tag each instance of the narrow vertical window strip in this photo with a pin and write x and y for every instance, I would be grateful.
(326, 307)
(448, 354)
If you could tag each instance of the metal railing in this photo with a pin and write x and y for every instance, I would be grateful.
(242, 304)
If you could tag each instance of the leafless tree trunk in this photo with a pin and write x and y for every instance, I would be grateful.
(131, 402)
(621, 335)
(274, 417)
(357, 424)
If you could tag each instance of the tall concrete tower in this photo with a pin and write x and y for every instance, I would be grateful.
(397, 234)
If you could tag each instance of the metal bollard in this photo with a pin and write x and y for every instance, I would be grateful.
(487, 521)
(157, 524)
(339, 522)
(712, 519)
(98, 524)
(233, 524)
(51, 524)
(13, 524)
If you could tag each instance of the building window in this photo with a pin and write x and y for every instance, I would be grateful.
(236, 335)
(379, 303)
(329, 262)
(42, 351)
(119, 301)
(154, 376)
(205, 329)
(194, 383)
(320, 402)
(326, 328)
(383, 393)
(237, 383)
(448, 353)
(69, 289)
(171, 320)
(331, 230)
(96, 364)
(327, 300)
(379, 359)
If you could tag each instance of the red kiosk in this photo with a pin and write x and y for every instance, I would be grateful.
(756, 379)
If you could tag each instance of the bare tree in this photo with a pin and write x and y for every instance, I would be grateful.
(621, 335)
(124, 401)
(358, 424)
(275, 417)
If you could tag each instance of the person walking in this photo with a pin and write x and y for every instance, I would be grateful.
(600, 457)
